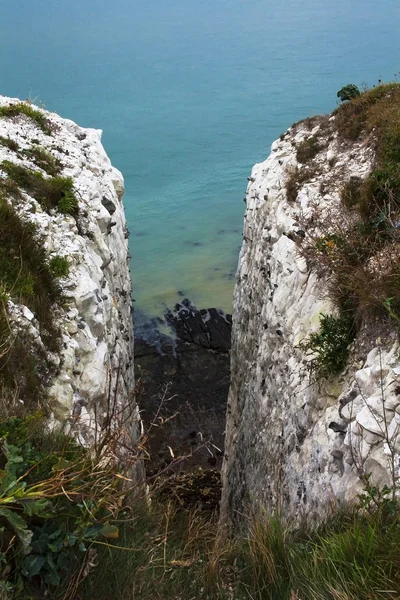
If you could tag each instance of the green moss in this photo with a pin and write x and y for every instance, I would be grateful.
(52, 192)
(23, 108)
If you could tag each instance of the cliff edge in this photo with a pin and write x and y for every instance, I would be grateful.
(314, 403)
(66, 329)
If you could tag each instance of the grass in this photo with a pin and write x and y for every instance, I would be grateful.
(308, 149)
(24, 108)
(9, 143)
(357, 248)
(170, 554)
(44, 160)
(51, 192)
(27, 278)
(59, 266)
(329, 347)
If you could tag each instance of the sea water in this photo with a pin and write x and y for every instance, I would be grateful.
(190, 94)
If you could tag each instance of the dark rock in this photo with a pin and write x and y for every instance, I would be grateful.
(108, 205)
(191, 372)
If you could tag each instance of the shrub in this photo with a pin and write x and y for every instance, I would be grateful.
(308, 149)
(357, 247)
(348, 92)
(24, 108)
(51, 192)
(296, 178)
(329, 348)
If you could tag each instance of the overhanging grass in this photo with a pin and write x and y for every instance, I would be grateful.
(27, 278)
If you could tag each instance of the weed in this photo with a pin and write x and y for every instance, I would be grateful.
(23, 108)
(52, 192)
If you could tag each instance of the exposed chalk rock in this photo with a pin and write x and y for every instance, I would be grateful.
(95, 320)
(281, 445)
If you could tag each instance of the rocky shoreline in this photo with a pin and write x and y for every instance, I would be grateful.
(183, 381)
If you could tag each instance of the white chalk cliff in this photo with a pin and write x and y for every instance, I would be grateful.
(95, 321)
(291, 441)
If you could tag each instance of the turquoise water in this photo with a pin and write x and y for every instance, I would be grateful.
(190, 94)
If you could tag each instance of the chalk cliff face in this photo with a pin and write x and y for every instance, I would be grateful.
(290, 440)
(94, 319)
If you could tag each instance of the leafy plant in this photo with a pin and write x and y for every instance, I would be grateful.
(329, 348)
(54, 501)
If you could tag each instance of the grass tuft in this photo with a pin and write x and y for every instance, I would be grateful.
(24, 108)
(52, 192)
(44, 160)
(9, 143)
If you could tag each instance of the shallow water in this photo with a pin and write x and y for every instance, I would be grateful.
(190, 94)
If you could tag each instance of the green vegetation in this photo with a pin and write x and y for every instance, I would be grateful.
(52, 192)
(329, 347)
(44, 160)
(9, 143)
(358, 248)
(173, 554)
(26, 277)
(59, 266)
(296, 178)
(24, 108)
(69, 532)
(55, 500)
(308, 149)
(348, 92)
